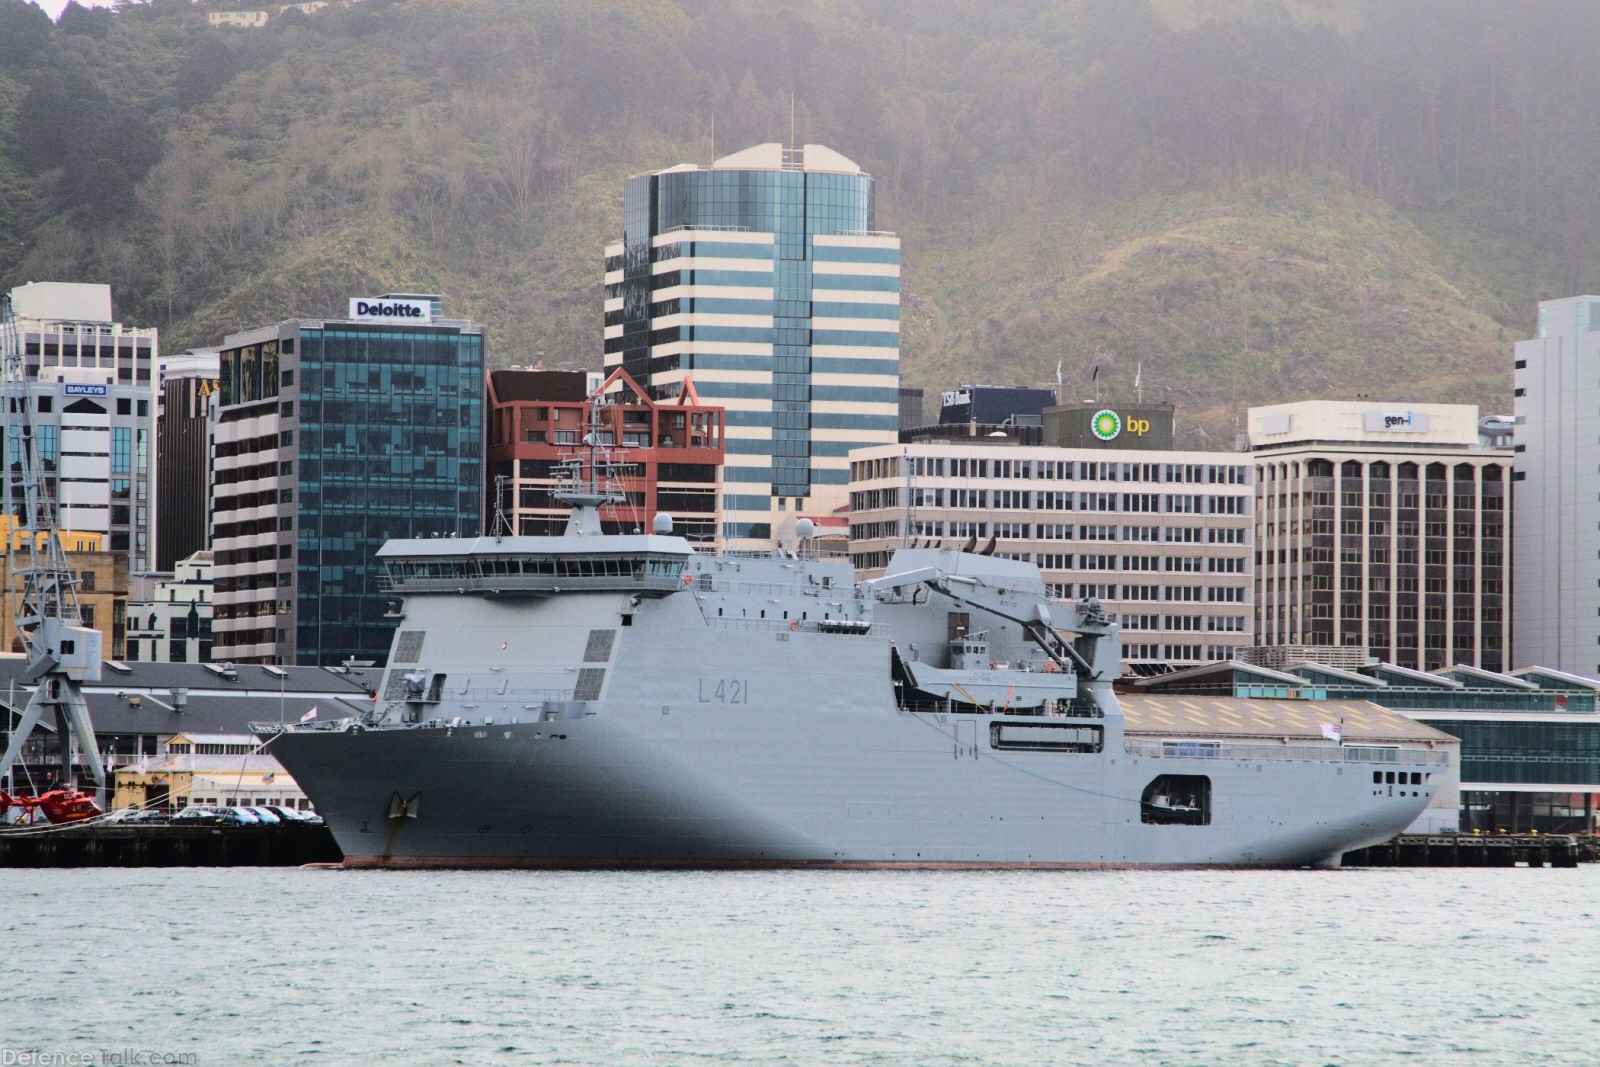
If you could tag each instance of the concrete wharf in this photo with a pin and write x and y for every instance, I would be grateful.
(165, 845)
(1477, 850)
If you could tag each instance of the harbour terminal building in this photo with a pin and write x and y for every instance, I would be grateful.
(1529, 753)
(333, 436)
(761, 276)
(1382, 529)
(1162, 537)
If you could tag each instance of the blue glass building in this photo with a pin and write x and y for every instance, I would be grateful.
(761, 277)
(334, 436)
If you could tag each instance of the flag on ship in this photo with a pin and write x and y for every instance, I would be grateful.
(1332, 731)
(308, 716)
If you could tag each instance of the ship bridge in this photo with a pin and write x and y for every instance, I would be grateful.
(647, 565)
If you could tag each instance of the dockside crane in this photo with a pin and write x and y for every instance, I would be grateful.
(61, 652)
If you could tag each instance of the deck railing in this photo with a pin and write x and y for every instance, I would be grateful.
(1174, 749)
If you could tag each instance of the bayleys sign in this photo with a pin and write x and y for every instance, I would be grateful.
(389, 309)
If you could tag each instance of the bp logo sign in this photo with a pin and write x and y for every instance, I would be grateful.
(1106, 424)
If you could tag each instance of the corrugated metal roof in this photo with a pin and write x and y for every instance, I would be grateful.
(213, 766)
(1207, 716)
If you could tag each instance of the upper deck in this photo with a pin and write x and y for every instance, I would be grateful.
(647, 564)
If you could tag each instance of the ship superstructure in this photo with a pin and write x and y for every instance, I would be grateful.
(597, 699)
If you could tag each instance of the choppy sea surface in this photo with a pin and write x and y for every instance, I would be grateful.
(275, 966)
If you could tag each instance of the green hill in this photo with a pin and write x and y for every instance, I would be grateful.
(1252, 202)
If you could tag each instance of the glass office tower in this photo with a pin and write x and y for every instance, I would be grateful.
(761, 277)
(333, 437)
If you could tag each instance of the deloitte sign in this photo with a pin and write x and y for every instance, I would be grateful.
(390, 309)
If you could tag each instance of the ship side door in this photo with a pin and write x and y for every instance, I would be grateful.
(966, 739)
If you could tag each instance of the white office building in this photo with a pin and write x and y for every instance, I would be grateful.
(169, 615)
(1162, 538)
(1556, 600)
(94, 391)
(1381, 532)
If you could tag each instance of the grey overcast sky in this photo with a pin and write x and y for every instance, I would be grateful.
(53, 7)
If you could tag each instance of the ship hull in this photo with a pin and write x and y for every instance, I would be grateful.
(698, 789)
(605, 701)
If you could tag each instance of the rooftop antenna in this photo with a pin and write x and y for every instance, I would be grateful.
(791, 120)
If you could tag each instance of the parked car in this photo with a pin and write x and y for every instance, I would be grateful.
(266, 815)
(245, 816)
(291, 815)
(133, 815)
(205, 815)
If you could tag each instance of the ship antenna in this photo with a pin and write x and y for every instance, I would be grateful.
(588, 492)
(502, 525)
(910, 472)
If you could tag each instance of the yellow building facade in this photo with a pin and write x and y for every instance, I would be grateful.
(207, 769)
(102, 586)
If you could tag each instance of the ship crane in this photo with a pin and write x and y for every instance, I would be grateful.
(61, 652)
(1093, 656)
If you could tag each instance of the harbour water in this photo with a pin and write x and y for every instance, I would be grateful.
(277, 966)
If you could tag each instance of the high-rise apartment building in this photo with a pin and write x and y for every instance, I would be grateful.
(93, 389)
(1556, 602)
(1162, 538)
(333, 436)
(667, 455)
(187, 383)
(1382, 528)
(762, 276)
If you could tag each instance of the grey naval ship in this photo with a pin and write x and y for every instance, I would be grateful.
(623, 700)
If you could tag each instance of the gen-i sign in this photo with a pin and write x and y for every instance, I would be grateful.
(389, 309)
(1396, 421)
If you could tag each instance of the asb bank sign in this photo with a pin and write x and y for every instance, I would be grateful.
(388, 309)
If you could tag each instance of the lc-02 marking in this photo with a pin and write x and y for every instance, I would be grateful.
(724, 691)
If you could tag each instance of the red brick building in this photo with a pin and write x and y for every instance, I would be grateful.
(673, 448)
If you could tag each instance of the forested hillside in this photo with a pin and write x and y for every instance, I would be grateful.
(1255, 201)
